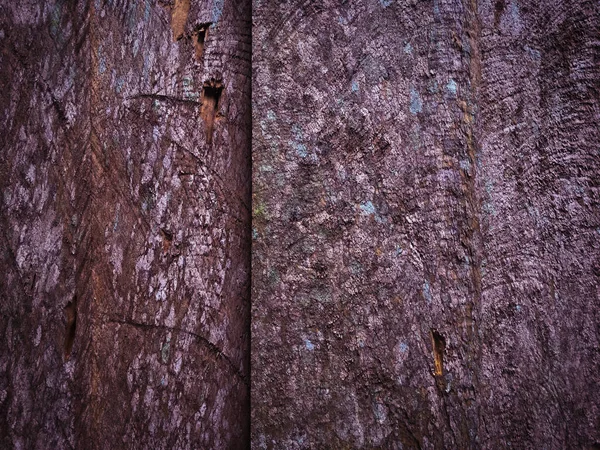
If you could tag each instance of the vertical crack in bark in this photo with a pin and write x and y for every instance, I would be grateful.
(472, 234)
(71, 326)
(439, 346)
(470, 119)
(211, 94)
(199, 36)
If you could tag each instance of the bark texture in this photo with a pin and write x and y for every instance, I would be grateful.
(125, 178)
(426, 224)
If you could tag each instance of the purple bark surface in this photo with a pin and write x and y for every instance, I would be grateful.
(125, 179)
(426, 224)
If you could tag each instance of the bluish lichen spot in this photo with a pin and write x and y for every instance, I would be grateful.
(297, 131)
(533, 53)
(355, 86)
(489, 209)
(433, 87)
(309, 345)
(189, 92)
(408, 48)
(132, 16)
(448, 378)
(271, 115)
(416, 104)
(296, 143)
(147, 11)
(436, 8)
(166, 348)
(367, 208)
(101, 60)
(55, 19)
(136, 47)
(427, 291)
(119, 84)
(403, 347)
(380, 413)
(263, 127)
(385, 3)
(301, 150)
(356, 267)
(217, 10)
(514, 11)
(451, 87)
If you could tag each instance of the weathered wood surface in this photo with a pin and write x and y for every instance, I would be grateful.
(426, 224)
(125, 178)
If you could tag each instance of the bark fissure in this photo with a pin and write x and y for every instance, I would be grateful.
(214, 349)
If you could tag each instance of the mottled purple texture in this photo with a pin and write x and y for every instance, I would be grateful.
(126, 215)
(425, 192)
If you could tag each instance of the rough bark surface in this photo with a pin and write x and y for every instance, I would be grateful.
(125, 178)
(426, 224)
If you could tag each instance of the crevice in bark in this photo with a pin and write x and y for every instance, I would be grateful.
(167, 238)
(211, 94)
(71, 326)
(438, 341)
(499, 8)
(199, 36)
(164, 98)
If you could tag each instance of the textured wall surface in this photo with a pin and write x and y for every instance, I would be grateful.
(426, 224)
(125, 209)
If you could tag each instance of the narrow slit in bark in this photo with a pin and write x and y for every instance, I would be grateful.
(211, 94)
(199, 36)
(71, 326)
(439, 345)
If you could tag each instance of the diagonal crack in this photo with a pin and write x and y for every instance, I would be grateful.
(164, 98)
(214, 349)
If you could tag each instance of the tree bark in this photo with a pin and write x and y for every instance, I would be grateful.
(425, 213)
(126, 215)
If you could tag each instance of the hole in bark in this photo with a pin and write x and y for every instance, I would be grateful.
(200, 35)
(71, 326)
(211, 94)
(439, 345)
(167, 237)
(500, 6)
